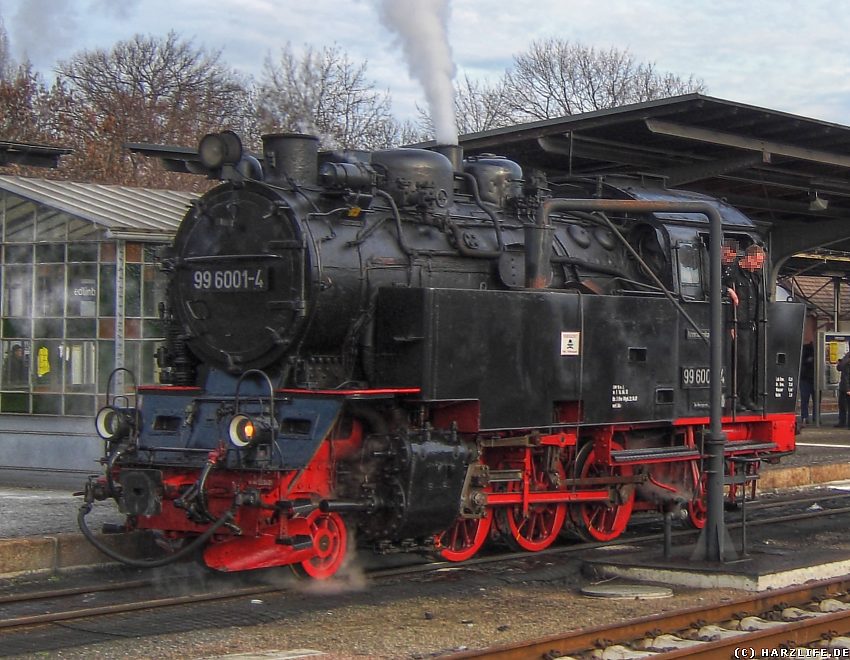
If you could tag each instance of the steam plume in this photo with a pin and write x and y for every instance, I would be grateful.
(422, 27)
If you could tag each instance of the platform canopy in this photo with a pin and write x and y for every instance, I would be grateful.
(790, 172)
(34, 155)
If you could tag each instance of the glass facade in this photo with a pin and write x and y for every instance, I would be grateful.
(63, 321)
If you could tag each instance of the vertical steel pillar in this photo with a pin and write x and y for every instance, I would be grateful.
(120, 312)
(714, 544)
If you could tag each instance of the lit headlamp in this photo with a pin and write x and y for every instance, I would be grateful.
(244, 431)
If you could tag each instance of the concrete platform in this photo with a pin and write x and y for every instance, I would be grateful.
(755, 573)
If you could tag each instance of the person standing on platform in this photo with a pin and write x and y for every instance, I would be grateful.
(807, 381)
(843, 367)
(743, 281)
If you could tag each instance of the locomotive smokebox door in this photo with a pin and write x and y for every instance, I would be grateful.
(240, 290)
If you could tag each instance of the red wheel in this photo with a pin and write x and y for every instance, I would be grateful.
(466, 537)
(601, 521)
(539, 528)
(330, 542)
(697, 507)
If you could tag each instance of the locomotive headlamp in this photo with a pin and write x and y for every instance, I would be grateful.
(217, 149)
(245, 431)
(113, 423)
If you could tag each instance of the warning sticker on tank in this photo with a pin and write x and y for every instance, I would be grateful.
(570, 343)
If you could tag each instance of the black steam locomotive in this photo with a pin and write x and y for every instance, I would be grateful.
(403, 344)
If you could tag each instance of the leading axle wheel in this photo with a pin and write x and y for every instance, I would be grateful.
(330, 542)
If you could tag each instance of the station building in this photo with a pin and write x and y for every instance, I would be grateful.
(80, 297)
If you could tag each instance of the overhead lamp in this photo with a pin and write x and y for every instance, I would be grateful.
(817, 203)
(217, 149)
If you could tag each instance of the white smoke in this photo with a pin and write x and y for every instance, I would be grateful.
(422, 27)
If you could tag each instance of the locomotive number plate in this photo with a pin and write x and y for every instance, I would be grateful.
(231, 279)
(698, 377)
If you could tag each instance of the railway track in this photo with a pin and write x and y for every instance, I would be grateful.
(63, 605)
(797, 622)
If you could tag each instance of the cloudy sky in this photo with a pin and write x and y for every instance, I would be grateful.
(779, 54)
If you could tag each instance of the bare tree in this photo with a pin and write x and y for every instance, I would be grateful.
(554, 78)
(481, 106)
(28, 112)
(324, 93)
(146, 89)
(7, 64)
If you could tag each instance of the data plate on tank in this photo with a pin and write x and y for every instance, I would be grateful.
(230, 279)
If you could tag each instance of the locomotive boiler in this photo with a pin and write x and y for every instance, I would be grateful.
(401, 346)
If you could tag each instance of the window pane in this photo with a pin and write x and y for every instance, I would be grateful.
(20, 220)
(79, 365)
(132, 291)
(18, 254)
(17, 292)
(47, 328)
(82, 252)
(107, 291)
(82, 230)
(17, 328)
(150, 253)
(82, 290)
(51, 226)
(105, 363)
(49, 290)
(154, 291)
(82, 406)
(148, 373)
(134, 252)
(81, 328)
(15, 402)
(46, 253)
(47, 404)
(106, 328)
(48, 366)
(153, 330)
(16, 365)
(107, 252)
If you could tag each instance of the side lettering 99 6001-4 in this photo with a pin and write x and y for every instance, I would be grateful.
(230, 279)
(699, 377)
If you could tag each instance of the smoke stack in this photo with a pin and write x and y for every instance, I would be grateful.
(291, 157)
(454, 153)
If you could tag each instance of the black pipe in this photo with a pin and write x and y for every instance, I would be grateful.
(226, 517)
(397, 217)
(476, 197)
(344, 506)
(712, 545)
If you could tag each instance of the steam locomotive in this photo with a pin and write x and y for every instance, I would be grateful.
(426, 352)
